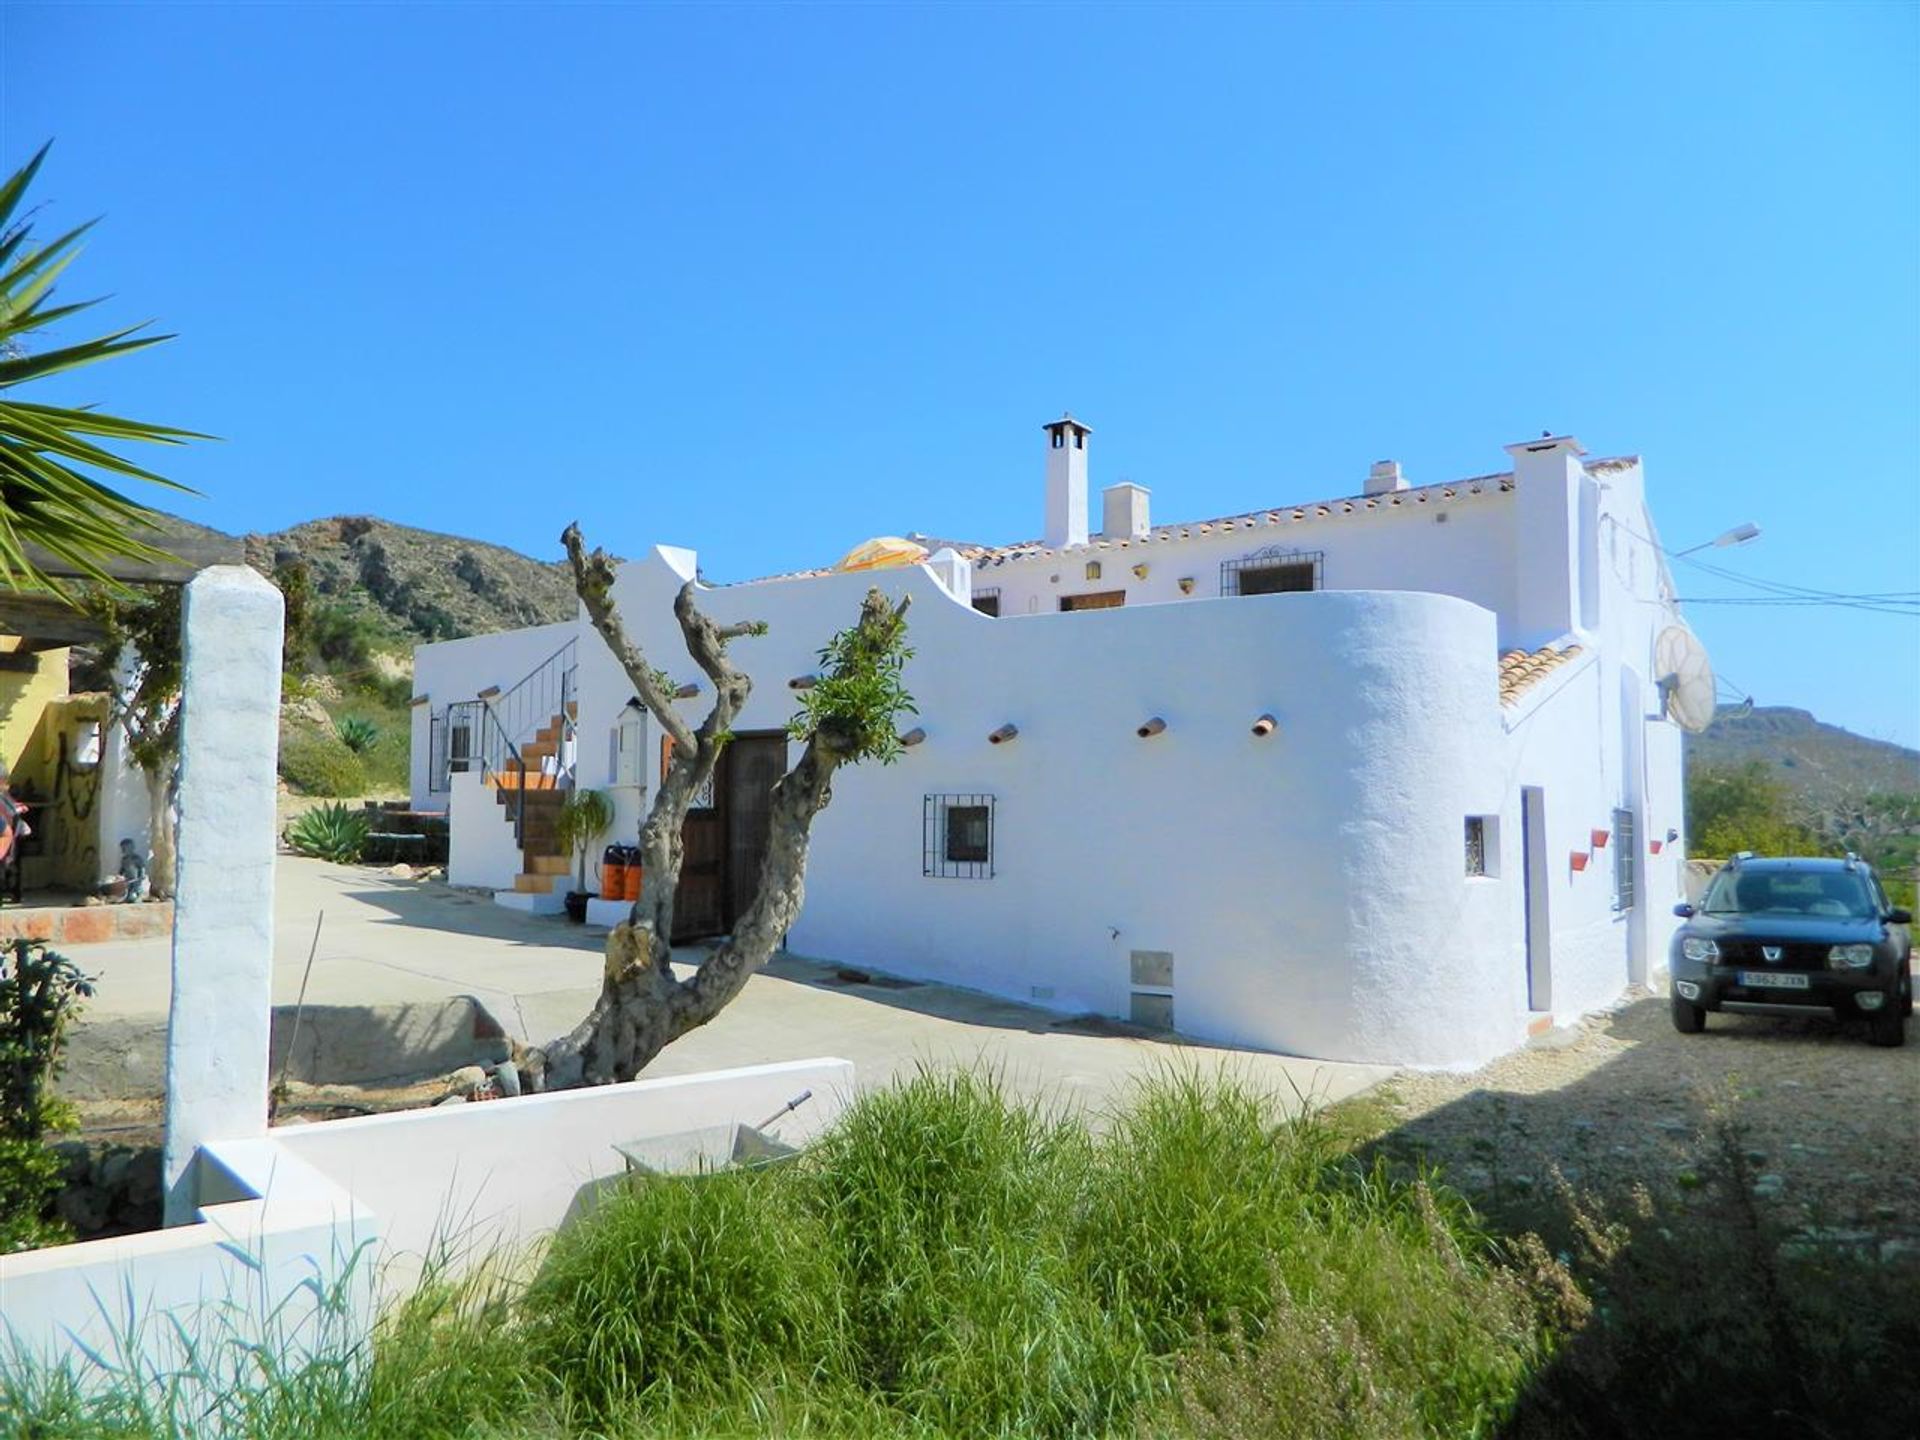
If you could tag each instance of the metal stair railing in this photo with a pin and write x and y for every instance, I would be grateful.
(488, 732)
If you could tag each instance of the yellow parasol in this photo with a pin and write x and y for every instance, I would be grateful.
(883, 552)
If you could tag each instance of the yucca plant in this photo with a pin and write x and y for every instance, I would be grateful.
(48, 498)
(584, 814)
(357, 733)
(330, 832)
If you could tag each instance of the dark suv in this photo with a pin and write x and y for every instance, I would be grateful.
(1792, 937)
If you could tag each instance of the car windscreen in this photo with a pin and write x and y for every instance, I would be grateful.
(1830, 894)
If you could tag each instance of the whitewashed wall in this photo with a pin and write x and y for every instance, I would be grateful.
(1311, 886)
(1394, 547)
(450, 671)
(353, 1207)
(480, 845)
(458, 1182)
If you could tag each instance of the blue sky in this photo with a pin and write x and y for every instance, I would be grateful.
(765, 281)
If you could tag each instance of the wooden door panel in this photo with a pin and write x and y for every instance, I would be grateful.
(699, 900)
(754, 764)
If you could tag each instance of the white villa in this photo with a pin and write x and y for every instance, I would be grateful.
(1392, 776)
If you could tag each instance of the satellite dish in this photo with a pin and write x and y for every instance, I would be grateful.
(1686, 678)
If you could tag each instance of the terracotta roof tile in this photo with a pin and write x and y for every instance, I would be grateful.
(1521, 670)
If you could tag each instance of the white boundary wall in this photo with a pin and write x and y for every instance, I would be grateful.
(351, 1208)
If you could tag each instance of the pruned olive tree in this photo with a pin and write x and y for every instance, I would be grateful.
(848, 716)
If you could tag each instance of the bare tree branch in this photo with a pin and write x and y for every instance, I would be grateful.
(593, 582)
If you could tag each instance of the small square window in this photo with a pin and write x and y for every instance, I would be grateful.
(1483, 846)
(957, 837)
(969, 833)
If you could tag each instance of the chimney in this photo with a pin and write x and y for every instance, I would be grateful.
(1123, 511)
(1385, 477)
(1066, 483)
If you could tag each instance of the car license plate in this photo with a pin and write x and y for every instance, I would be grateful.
(1773, 980)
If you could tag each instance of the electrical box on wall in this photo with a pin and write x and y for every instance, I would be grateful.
(630, 747)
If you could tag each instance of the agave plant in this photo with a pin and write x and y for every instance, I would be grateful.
(357, 733)
(584, 814)
(330, 832)
(47, 497)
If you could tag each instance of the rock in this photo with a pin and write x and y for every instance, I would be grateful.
(450, 1100)
(1756, 1157)
(1886, 1212)
(85, 1207)
(76, 1161)
(144, 1177)
(467, 1080)
(1859, 1177)
(507, 1076)
(1768, 1187)
(111, 1174)
(1893, 1251)
(1476, 1177)
(1583, 1124)
(1672, 1127)
(401, 871)
(1522, 1183)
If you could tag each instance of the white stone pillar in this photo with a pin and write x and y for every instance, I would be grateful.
(219, 1025)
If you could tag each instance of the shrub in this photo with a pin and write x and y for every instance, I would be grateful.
(584, 816)
(40, 996)
(357, 733)
(330, 832)
(321, 765)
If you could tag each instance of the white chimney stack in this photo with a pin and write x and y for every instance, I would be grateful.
(1066, 482)
(1385, 477)
(1123, 511)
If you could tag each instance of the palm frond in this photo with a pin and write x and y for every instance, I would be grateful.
(53, 502)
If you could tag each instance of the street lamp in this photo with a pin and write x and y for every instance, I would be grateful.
(1739, 535)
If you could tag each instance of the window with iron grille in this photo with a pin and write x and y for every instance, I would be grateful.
(1626, 860)
(987, 601)
(956, 841)
(1476, 845)
(1273, 571)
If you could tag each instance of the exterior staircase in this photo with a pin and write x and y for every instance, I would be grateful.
(527, 788)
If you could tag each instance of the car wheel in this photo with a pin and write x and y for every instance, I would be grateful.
(1888, 1027)
(1906, 998)
(1688, 1018)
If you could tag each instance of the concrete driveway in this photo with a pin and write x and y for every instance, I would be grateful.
(384, 941)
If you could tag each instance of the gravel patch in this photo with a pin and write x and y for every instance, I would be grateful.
(1827, 1128)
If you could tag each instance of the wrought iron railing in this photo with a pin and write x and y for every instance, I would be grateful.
(489, 734)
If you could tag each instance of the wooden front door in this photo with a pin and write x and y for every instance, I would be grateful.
(699, 901)
(753, 764)
(726, 839)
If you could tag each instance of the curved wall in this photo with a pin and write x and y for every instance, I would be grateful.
(1310, 886)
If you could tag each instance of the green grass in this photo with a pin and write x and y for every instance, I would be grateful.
(948, 1261)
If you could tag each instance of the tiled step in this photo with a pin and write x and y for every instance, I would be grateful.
(542, 864)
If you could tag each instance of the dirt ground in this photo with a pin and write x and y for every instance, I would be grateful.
(1825, 1128)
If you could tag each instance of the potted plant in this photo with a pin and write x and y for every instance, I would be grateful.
(584, 814)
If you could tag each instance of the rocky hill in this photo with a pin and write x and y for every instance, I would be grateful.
(419, 584)
(1819, 762)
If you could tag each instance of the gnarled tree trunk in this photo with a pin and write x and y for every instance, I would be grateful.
(643, 1006)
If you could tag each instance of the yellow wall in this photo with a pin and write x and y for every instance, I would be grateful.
(24, 697)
